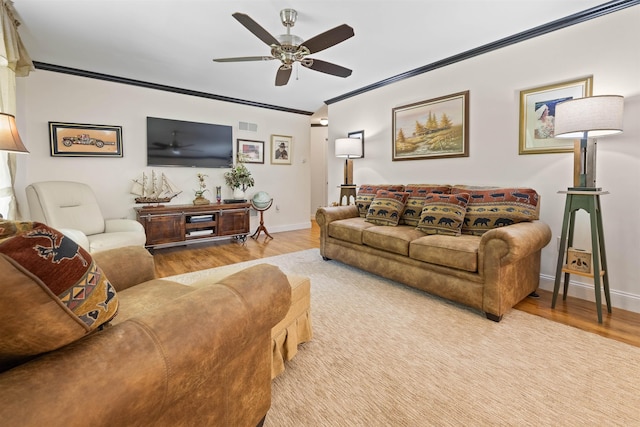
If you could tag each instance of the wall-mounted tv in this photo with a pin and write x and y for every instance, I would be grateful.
(189, 144)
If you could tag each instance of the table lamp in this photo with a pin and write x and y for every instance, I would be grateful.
(351, 148)
(9, 139)
(588, 118)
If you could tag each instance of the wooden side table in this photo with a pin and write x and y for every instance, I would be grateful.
(348, 191)
(589, 200)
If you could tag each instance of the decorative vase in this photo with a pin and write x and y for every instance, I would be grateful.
(199, 200)
(218, 194)
(238, 194)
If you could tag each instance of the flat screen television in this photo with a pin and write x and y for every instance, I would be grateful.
(188, 144)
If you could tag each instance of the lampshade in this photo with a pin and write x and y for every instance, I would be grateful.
(350, 148)
(589, 117)
(324, 121)
(9, 139)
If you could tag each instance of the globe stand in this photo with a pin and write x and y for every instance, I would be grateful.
(261, 227)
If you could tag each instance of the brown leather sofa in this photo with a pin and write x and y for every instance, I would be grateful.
(491, 273)
(174, 355)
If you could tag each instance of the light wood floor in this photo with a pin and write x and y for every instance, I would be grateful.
(621, 325)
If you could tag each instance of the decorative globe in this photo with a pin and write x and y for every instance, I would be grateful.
(261, 200)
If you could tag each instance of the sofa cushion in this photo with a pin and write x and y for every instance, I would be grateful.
(367, 192)
(391, 239)
(497, 207)
(349, 230)
(386, 207)
(415, 201)
(443, 213)
(53, 293)
(459, 252)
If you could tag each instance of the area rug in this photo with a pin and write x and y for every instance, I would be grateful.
(384, 354)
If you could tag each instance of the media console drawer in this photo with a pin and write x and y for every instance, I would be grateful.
(173, 225)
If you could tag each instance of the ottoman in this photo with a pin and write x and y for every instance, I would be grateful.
(295, 328)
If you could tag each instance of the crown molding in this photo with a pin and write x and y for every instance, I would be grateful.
(140, 83)
(586, 15)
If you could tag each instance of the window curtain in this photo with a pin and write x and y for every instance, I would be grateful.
(14, 62)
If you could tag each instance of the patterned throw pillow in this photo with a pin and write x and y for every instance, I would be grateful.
(386, 207)
(366, 194)
(497, 207)
(415, 202)
(54, 294)
(443, 213)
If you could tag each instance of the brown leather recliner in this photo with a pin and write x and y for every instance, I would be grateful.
(174, 355)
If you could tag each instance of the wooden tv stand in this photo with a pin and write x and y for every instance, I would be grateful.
(174, 225)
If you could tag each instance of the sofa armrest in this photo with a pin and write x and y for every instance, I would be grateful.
(509, 244)
(126, 267)
(202, 359)
(328, 214)
(509, 261)
(115, 225)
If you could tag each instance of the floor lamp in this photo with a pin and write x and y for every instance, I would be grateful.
(350, 148)
(588, 118)
(9, 139)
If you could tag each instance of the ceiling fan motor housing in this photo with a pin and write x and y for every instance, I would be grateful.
(288, 17)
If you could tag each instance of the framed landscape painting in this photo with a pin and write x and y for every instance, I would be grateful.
(537, 115)
(81, 140)
(433, 129)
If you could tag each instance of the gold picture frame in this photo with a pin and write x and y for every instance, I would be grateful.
(433, 129)
(537, 113)
(82, 140)
(281, 148)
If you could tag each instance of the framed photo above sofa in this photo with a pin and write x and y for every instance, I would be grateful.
(81, 140)
(432, 129)
(537, 115)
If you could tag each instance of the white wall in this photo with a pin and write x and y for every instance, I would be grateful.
(606, 48)
(318, 167)
(48, 96)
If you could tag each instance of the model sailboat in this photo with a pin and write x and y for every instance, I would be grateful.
(155, 190)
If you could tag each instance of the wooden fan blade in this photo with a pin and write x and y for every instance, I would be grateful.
(329, 38)
(256, 29)
(329, 68)
(282, 76)
(245, 59)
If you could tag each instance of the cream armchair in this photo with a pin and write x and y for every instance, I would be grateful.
(72, 208)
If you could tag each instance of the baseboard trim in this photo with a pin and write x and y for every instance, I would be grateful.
(289, 227)
(619, 299)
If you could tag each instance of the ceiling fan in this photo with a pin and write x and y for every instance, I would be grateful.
(289, 48)
(174, 145)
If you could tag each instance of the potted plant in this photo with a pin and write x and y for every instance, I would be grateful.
(200, 199)
(239, 179)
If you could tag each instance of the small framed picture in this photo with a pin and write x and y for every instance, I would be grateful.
(281, 147)
(251, 151)
(359, 134)
(82, 140)
(537, 115)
